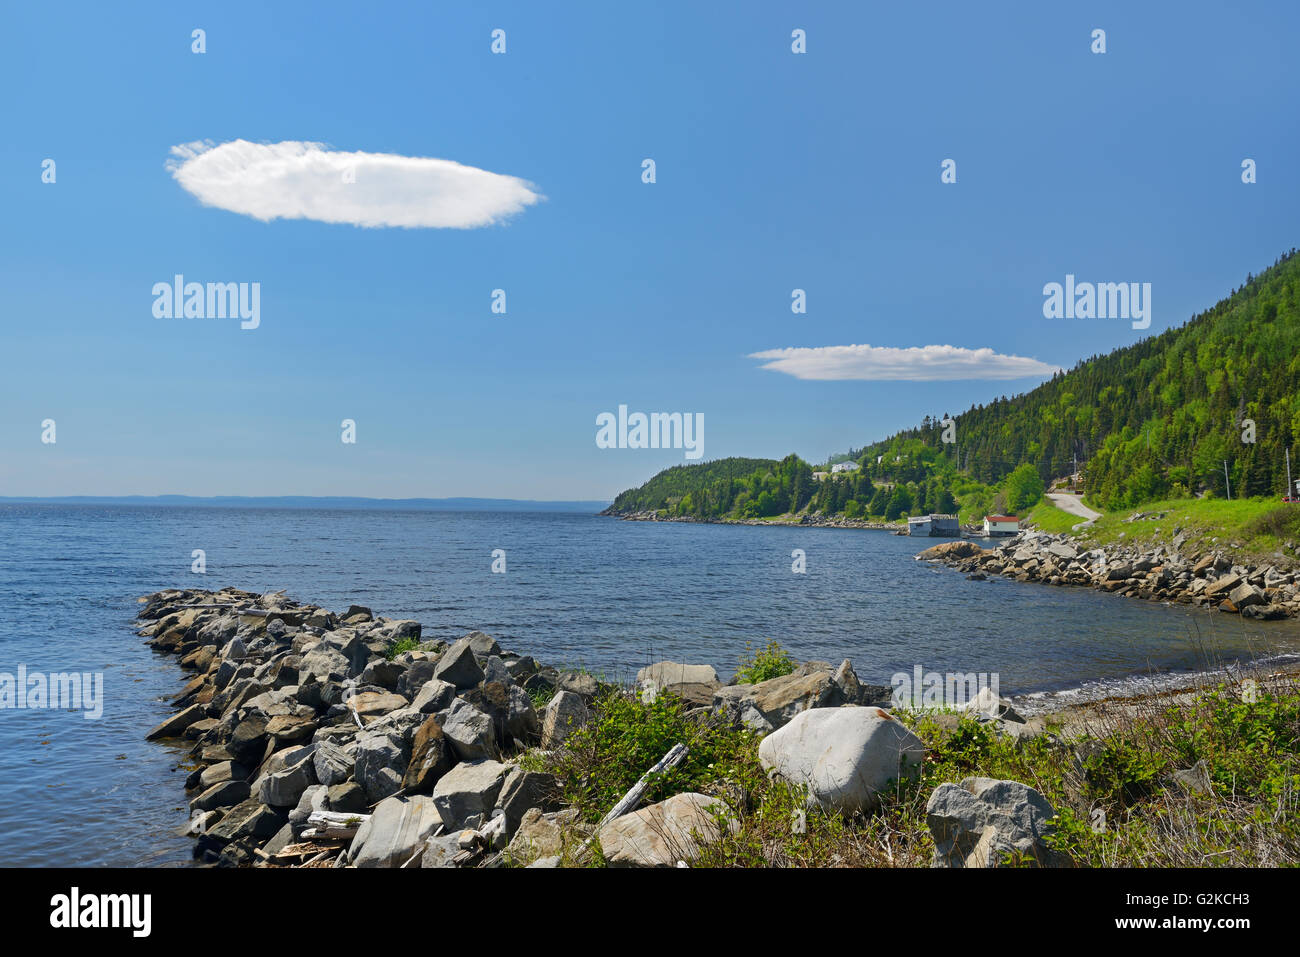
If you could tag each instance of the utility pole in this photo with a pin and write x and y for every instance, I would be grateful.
(1225, 479)
(1290, 489)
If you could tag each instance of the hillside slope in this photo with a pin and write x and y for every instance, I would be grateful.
(1159, 417)
(673, 484)
(1154, 420)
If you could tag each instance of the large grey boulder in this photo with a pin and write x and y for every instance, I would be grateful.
(348, 797)
(351, 647)
(983, 822)
(844, 756)
(466, 795)
(370, 705)
(381, 761)
(522, 722)
(434, 696)
(431, 758)
(226, 672)
(383, 673)
(251, 819)
(494, 669)
(521, 669)
(1245, 595)
(223, 794)
(523, 791)
(223, 771)
(393, 631)
(402, 723)
(325, 663)
(468, 730)
(394, 833)
(248, 742)
(285, 788)
(441, 851)
(1223, 585)
(414, 678)
(177, 723)
(663, 834)
(541, 835)
(694, 684)
(284, 758)
(458, 665)
(484, 646)
(565, 713)
(580, 683)
(770, 704)
(334, 764)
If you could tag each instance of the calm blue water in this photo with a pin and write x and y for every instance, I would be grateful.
(608, 594)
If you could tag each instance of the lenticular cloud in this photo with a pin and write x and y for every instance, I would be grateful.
(921, 364)
(297, 180)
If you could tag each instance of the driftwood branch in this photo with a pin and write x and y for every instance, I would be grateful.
(335, 823)
(676, 754)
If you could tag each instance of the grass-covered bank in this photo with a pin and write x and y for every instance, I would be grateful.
(1046, 517)
(1257, 530)
(1203, 778)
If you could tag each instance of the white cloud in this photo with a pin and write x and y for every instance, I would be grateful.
(295, 180)
(917, 363)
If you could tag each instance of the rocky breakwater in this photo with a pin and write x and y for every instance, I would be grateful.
(314, 742)
(327, 739)
(1162, 573)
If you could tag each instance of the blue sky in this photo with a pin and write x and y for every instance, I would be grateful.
(775, 171)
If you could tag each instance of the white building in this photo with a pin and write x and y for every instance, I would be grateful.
(1001, 525)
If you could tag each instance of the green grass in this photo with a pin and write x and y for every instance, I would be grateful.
(1260, 527)
(1046, 517)
(405, 644)
(603, 759)
(1117, 807)
(1116, 803)
(770, 661)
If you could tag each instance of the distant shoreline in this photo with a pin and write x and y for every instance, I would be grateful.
(328, 501)
(805, 522)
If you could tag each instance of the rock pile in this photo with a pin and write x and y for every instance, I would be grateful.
(311, 736)
(1162, 573)
(317, 742)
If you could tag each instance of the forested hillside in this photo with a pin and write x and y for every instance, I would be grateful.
(1155, 420)
(670, 485)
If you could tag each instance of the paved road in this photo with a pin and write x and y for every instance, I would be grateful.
(1074, 505)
